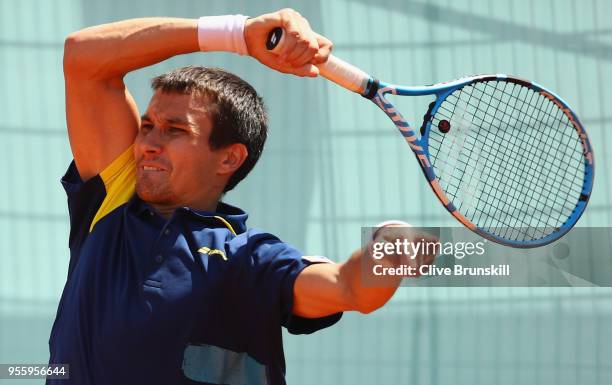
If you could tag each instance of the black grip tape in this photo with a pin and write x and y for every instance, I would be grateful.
(372, 88)
(274, 38)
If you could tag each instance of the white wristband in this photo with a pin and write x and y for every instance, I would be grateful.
(222, 33)
(389, 223)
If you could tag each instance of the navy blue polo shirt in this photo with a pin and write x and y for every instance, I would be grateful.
(194, 299)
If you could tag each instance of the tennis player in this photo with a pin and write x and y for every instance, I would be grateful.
(166, 284)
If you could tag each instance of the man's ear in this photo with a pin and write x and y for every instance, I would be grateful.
(233, 157)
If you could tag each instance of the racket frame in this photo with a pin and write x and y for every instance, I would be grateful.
(376, 90)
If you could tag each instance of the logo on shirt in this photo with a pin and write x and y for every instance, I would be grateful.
(209, 251)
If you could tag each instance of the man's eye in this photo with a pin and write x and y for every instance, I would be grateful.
(146, 127)
(176, 130)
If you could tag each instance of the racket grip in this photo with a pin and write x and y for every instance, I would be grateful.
(334, 69)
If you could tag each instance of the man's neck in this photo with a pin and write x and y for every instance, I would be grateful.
(166, 211)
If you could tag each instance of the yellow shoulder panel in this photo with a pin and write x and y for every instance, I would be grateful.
(120, 182)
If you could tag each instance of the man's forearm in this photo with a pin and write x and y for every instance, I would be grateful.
(323, 289)
(112, 50)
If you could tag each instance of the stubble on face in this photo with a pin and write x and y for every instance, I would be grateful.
(154, 190)
(177, 152)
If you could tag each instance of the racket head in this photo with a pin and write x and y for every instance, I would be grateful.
(507, 158)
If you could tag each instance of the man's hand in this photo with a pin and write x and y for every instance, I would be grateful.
(301, 50)
(325, 288)
(397, 233)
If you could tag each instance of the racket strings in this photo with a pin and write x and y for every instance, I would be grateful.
(504, 172)
(510, 160)
(538, 180)
(475, 106)
(510, 218)
(498, 172)
(560, 194)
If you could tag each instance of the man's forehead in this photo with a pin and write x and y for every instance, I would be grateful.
(176, 107)
(178, 99)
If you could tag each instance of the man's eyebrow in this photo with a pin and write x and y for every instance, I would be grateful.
(176, 120)
(170, 120)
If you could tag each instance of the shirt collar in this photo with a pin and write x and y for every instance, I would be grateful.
(225, 215)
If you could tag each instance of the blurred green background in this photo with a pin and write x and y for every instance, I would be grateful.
(332, 165)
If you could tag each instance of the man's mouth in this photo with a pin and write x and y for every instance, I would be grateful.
(151, 168)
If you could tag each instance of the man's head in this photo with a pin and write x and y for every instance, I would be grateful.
(203, 131)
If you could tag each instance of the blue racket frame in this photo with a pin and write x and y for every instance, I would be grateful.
(376, 91)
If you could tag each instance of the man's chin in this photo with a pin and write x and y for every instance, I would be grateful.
(153, 196)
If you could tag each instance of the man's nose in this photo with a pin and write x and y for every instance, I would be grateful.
(152, 142)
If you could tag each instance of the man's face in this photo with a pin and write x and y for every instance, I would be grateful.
(174, 162)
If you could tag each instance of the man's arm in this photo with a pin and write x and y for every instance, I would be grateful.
(325, 288)
(101, 114)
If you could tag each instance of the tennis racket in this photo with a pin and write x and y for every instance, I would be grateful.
(506, 157)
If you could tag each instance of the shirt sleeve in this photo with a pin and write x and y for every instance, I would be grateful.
(84, 200)
(275, 266)
(89, 201)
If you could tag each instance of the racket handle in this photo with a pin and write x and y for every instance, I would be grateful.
(334, 69)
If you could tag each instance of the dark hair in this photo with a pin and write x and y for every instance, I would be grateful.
(238, 114)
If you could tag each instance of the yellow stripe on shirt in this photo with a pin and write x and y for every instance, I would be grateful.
(120, 182)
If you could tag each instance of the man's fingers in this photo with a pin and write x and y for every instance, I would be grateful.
(418, 246)
(300, 43)
(306, 56)
(428, 259)
(325, 49)
(307, 44)
(299, 50)
(304, 43)
(308, 69)
(291, 34)
(271, 60)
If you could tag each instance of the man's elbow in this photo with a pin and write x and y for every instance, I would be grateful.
(82, 56)
(72, 46)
